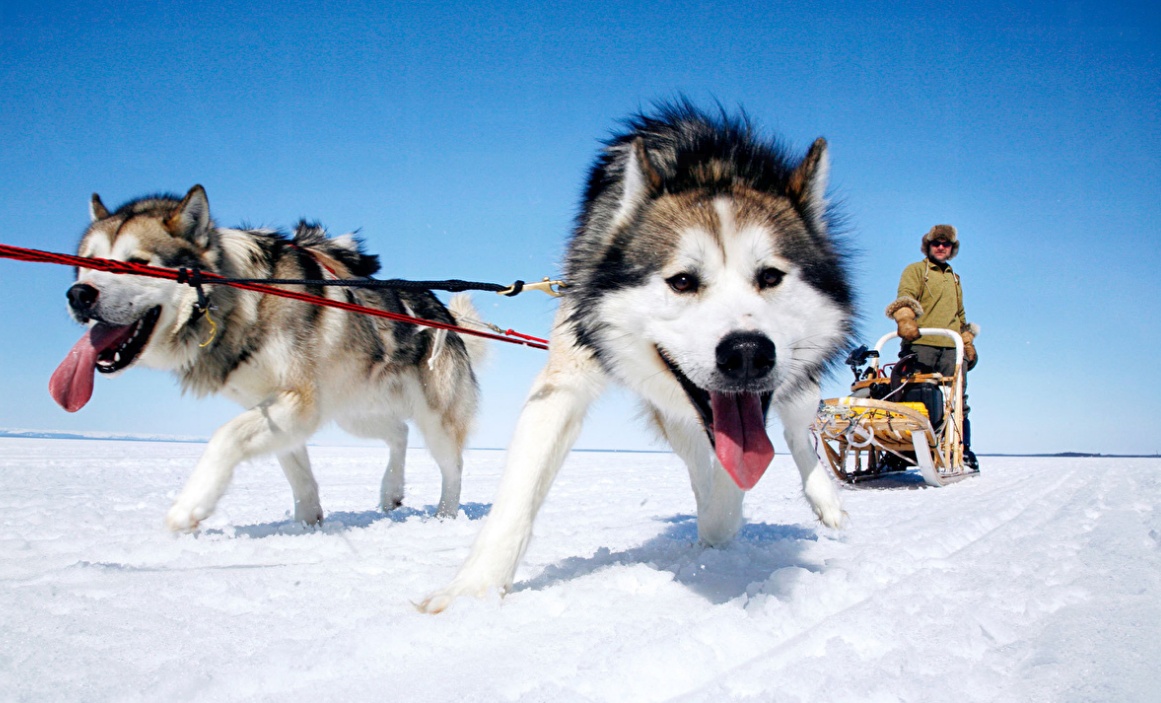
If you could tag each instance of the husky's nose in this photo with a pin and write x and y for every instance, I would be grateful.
(745, 356)
(82, 296)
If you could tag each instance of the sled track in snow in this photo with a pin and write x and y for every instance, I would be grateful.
(940, 552)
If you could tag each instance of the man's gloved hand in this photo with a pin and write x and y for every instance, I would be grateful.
(905, 319)
(969, 349)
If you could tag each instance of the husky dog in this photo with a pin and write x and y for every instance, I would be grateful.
(702, 274)
(292, 365)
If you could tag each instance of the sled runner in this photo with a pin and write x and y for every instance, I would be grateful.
(895, 421)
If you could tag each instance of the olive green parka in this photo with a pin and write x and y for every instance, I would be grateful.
(934, 292)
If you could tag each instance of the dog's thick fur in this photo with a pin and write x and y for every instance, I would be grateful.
(704, 276)
(292, 365)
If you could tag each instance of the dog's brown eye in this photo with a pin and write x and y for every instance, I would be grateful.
(768, 278)
(137, 260)
(683, 283)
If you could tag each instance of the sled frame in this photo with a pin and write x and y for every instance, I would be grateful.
(865, 438)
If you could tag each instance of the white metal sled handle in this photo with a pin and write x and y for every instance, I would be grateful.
(925, 332)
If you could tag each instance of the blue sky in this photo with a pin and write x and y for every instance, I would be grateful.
(456, 139)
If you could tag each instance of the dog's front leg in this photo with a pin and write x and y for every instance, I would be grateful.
(548, 426)
(286, 420)
(296, 465)
(719, 500)
(797, 413)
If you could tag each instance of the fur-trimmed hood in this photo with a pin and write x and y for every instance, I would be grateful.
(940, 232)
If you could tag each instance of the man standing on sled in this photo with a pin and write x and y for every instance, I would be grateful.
(930, 295)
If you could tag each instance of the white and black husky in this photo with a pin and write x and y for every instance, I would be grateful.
(702, 275)
(292, 365)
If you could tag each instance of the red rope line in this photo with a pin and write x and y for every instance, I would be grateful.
(207, 277)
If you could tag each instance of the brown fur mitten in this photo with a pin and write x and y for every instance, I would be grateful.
(969, 333)
(969, 352)
(908, 328)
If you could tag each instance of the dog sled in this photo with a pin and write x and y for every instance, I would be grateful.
(897, 417)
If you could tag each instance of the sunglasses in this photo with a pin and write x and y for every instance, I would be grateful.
(942, 244)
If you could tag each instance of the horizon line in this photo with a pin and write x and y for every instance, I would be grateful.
(122, 437)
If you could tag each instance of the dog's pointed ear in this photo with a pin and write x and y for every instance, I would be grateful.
(97, 209)
(808, 181)
(191, 220)
(639, 181)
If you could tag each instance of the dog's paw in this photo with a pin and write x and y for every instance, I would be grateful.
(440, 600)
(824, 500)
(835, 518)
(436, 602)
(182, 518)
(308, 515)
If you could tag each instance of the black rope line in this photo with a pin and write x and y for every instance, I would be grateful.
(453, 285)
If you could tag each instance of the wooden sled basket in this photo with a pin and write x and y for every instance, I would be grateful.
(875, 431)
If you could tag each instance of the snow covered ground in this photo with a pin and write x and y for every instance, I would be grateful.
(1039, 580)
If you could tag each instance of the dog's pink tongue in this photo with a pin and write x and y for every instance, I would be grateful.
(740, 437)
(71, 384)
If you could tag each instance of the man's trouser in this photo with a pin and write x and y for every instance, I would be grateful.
(941, 359)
